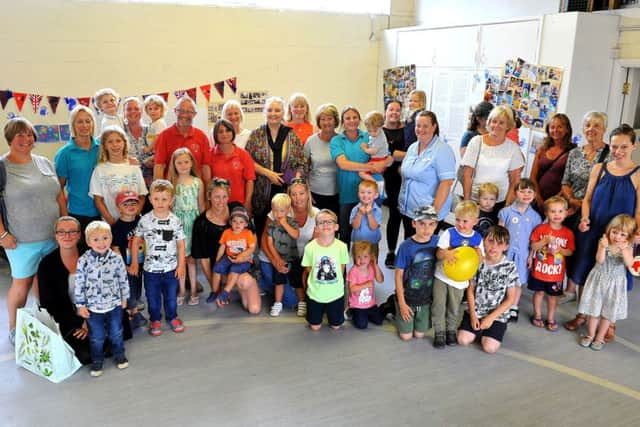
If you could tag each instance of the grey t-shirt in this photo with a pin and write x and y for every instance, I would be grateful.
(31, 198)
(323, 175)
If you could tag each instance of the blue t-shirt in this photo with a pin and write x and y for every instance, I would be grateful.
(364, 232)
(347, 180)
(76, 166)
(417, 260)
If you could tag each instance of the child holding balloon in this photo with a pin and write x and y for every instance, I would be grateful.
(447, 292)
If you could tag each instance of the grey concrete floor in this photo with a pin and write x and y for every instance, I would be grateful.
(230, 368)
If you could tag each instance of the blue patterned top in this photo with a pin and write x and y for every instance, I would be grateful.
(101, 282)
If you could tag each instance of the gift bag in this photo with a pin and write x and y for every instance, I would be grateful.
(40, 347)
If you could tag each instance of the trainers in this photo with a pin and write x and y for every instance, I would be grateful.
(390, 261)
(122, 363)
(302, 309)
(514, 314)
(586, 341)
(96, 369)
(439, 340)
(212, 297)
(347, 314)
(597, 345)
(12, 337)
(141, 306)
(176, 325)
(155, 330)
(138, 321)
(276, 309)
(452, 338)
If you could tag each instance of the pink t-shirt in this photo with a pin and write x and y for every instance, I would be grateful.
(366, 297)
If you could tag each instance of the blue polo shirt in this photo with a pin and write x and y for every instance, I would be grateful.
(347, 180)
(76, 166)
(364, 232)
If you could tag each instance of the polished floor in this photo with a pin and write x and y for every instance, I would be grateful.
(230, 368)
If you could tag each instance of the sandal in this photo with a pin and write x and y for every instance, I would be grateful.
(537, 322)
(551, 325)
(611, 333)
(180, 300)
(194, 300)
(586, 341)
(574, 324)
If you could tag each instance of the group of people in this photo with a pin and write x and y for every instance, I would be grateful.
(126, 205)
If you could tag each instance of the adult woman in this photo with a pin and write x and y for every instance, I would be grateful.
(299, 117)
(278, 157)
(347, 152)
(613, 189)
(394, 131)
(303, 213)
(232, 111)
(136, 131)
(33, 200)
(232, 163)
(551, 158)
(207, 230)
(477, 124)
(427, 171)
(492, 158)
(576, 176)
(75, 163)
(323, 170)
(417, 103)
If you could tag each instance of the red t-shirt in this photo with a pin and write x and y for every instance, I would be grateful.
(304, 130)
(547, 266)
(237, 168)
(171, 139)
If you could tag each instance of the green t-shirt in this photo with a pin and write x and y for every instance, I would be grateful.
(325, 283)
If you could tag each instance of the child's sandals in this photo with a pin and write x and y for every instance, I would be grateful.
(194, 300)
(537, 322)
(551, 325)
(180, 300)
(586, 341)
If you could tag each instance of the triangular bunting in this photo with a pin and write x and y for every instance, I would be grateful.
(5, 96)
(164, 95)
(85, 100)
(206, 91)
(179, 93)
(192, 92)
(145, 96)
(20, 97)
(53, 102)
(35, 101)
(71, 103)
(233, 84)
(219, 88)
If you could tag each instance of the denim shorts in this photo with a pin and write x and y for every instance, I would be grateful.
(26, 257)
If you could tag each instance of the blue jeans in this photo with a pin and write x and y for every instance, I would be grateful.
(135, 291)
(99, 325)
(289, 298)
(159, 286)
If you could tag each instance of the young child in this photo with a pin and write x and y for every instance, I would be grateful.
(447, 293)
(377, 148)
(164, 258)
(520, 219)
(114, 174)
(490, 294)
(237, 245)
(551, 242)
(414, 269)
(325, 260)
(361, 283)
(107, 101)
(281, 240)
(604, 297)
(123, 232)
(366, 216)
(155, 107)
(487, 196)
(101, 293)
(187, 205)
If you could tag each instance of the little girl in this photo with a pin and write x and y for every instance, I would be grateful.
(604, 297)
(360, 280)
(113, 174)
(520, 219)
(187, 205)
(155, 108)
(107, 101)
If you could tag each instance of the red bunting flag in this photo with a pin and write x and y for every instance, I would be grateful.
(206, 91)
(179, 93)
(220, 88)
(192, 92)
(85, 100)
(233, 84)
(5, 96)
(164, 95)
(20, 97)
(35, 101)
(53, 102)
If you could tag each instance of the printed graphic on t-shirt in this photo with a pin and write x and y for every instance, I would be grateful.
(420, 272)
(365, 296)
(327, 272)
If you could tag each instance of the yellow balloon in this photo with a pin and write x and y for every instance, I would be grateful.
(466, 264)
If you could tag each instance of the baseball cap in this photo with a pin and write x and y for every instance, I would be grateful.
(239, 211)
(425, 212)
(123, 196)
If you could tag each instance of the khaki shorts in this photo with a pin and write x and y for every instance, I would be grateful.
(421, 321)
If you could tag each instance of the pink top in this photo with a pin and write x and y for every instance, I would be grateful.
(366, 297)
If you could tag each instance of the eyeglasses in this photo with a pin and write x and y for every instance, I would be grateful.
(67, 233)
(186, 112)
(220, 181)
(299, 181)
(326, 222)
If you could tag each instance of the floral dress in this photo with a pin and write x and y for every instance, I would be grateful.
(185, 207)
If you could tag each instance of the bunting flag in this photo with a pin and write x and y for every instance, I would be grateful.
(192, 93)
(145, 97)
(35, 101)
(220, 88)
(206, 91)
(20, 97)
(53, 102)
(165, 96)
(233, 84)
(179, 93)
(5, 96)
(85, 100)
(71, 103)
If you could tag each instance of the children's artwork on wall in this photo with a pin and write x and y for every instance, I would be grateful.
(48, 133)
(65, 133)
(398, 82)
(253, 102)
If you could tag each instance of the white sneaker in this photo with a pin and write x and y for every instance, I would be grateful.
(347, 314)
(302, 309)
(276, 309)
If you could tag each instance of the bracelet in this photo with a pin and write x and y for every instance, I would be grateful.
(3, 235)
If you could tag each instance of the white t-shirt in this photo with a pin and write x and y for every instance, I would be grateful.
(242, 138)
(109, 179)
(306, 232)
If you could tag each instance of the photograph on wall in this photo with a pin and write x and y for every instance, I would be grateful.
(214, 112)
(398, 82)
(253, 101)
